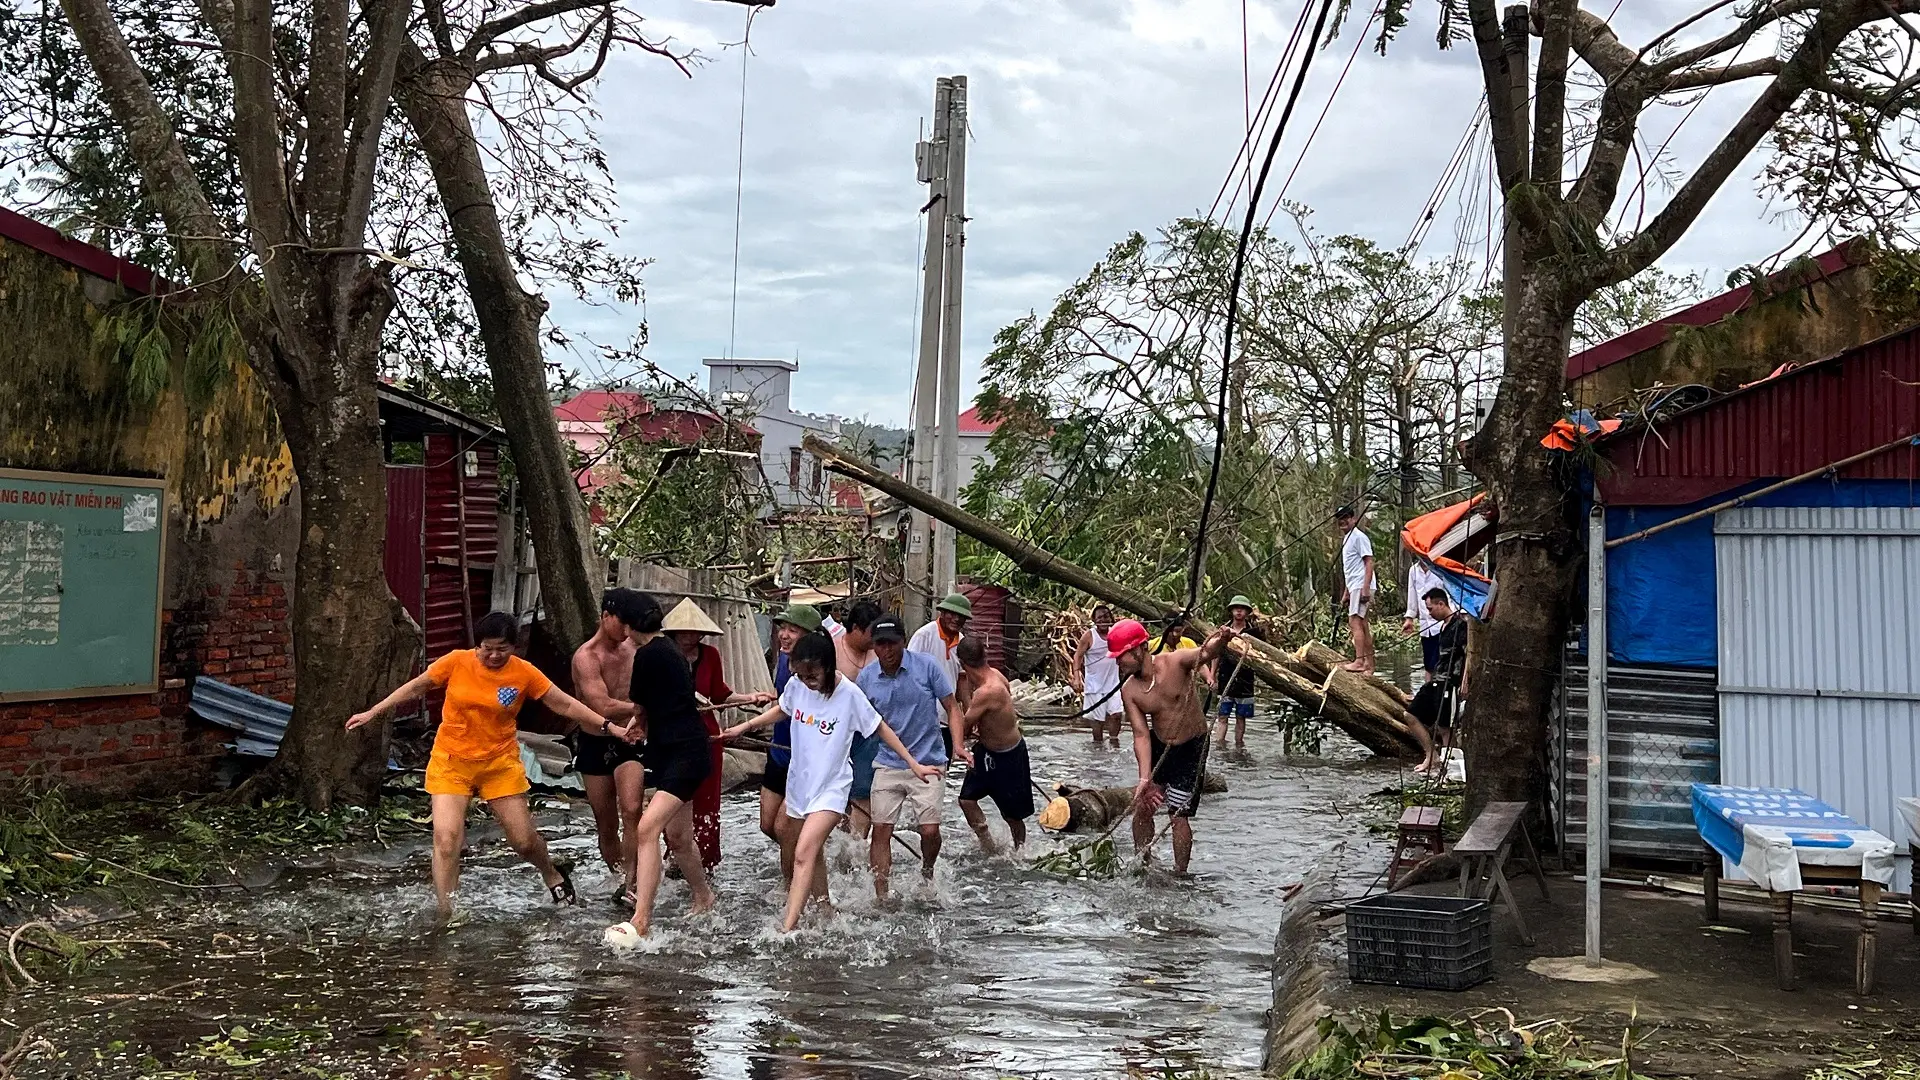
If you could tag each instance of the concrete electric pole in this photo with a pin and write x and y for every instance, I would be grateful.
(947, 461)
(930, 156)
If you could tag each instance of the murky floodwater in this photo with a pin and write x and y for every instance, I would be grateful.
(995, 970)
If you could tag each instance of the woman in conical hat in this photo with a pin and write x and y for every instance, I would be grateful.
(689, 627)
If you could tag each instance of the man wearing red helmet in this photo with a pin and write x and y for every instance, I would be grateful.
(1169, 731)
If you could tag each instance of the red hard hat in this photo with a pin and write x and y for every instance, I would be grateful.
(1126, 634)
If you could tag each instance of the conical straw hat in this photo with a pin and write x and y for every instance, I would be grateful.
(687, 615)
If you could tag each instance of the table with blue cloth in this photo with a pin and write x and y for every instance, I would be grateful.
(1784, 839)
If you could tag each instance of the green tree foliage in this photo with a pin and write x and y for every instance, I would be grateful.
(1107, 408)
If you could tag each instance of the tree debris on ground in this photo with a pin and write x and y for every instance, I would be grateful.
(1481, 1046)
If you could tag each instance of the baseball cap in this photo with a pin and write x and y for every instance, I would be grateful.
(1126, 634)
(889, 628)
(1345, 512)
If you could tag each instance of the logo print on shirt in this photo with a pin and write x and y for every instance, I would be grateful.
(809, 719)
(507, 695)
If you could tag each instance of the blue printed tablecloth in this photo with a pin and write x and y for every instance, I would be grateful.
(1770, 832)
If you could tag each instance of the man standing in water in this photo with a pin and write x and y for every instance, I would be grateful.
(1169, 732)
(1096, 677)
(912, 693)
(609, 767)
(1000, 770)
(1233, 679)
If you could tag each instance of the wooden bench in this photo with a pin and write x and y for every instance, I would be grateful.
(1419, 837)
(1483, 852)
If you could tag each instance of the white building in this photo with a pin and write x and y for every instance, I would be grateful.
(760, 391)
(975, 434)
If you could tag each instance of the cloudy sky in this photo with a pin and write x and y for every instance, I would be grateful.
(1091, 118)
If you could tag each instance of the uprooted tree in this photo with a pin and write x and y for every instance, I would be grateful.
(1832, 83)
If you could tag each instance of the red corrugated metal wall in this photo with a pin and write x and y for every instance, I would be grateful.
(405, 557)
(990, 621)
(457, 470)
(1783, 427)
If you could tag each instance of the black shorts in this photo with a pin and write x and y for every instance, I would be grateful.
(679, 768)
(1430, 652)
(1005, 776)
(1177, 769)
(1433, 707)
(775, 778)
(599, 755)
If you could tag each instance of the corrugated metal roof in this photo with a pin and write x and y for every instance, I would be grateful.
(743, 648)
(259, 721)
(1780, 427)
(1713, 309)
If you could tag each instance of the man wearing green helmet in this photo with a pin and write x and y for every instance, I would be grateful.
(1233, 680)
(938, 640)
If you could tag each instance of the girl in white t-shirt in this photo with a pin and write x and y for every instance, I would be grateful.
(827, 711)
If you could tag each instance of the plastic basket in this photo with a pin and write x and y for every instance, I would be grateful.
(1428, 942)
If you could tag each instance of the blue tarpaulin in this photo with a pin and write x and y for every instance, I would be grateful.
(1661, 606)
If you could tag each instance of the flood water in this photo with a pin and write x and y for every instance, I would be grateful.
(997, 969)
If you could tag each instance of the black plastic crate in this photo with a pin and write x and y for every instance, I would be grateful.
(1429, 942)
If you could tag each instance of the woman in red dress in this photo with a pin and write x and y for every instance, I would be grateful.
(689, 627)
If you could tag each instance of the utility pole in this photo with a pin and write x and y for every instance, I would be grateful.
(930, 156)
(947, 465)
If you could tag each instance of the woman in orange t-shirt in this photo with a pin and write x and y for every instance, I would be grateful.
(476, 751)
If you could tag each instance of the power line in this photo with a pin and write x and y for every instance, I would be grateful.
(1358, 40)
(1233, 312)
(739, 179)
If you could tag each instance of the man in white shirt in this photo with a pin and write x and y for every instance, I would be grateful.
(1356, 595)
(939, 638)
(1421, 580)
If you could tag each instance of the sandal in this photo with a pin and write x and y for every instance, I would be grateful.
(562, 892)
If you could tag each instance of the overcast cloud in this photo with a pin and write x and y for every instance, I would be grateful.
(1091, 118)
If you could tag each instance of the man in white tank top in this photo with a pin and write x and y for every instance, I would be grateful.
(1096, 676)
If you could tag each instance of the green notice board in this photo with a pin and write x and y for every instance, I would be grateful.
(81, 561)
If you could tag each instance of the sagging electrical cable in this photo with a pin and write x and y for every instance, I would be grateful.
(1233, 311)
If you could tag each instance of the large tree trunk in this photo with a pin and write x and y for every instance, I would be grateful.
(433, 97)
(352, 641)
(1516, 660)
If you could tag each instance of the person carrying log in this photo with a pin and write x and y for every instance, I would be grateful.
(1096, 677)
(1000, 769)
(689, 627)
(912, 693)
(1169, 732)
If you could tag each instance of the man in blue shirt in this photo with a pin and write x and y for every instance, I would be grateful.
(914, 695)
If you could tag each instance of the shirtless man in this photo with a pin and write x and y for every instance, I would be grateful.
(1169, 731)
(1000, 769)
(609, 768)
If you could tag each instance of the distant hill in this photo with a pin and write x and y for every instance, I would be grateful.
(885, 445)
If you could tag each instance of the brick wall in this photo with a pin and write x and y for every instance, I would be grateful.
(235, 630)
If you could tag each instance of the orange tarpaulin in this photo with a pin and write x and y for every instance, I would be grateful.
(1565, 433)
(1424, 532)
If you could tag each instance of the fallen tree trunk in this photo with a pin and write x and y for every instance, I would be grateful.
(1085, 809)
(1355, 704)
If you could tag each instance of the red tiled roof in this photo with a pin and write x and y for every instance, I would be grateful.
(599, 406)
(1706, 312)
(971, 424)
(83, 256)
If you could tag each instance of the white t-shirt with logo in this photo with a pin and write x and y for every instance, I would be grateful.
(821, 730)
(1356, 548)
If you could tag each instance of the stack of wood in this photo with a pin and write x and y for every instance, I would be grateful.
(1063, 641)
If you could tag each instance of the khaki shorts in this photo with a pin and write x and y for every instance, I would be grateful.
(898, 789)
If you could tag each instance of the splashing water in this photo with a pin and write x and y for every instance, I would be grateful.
(991, 968)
